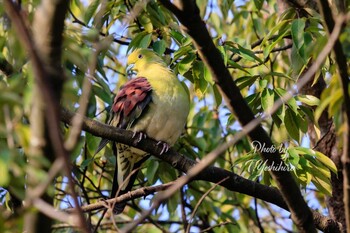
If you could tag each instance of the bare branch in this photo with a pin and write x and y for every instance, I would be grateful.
(51, 212)
(141, 192)
(200, 202)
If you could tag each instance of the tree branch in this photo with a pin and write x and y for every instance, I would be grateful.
(141, 192)
(344, 79)
(212, 174)
(188, 14)
(44, 49)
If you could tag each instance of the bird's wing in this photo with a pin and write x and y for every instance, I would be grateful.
(130, 102)
(129, 105)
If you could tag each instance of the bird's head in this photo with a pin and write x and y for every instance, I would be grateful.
(140, 59)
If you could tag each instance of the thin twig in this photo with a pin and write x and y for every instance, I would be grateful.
(51, 212)
(141, 192)
(200, 202)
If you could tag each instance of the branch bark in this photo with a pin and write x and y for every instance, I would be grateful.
(340, 58)
(328, 142)
(141, 192)
(188, 14)
(212, 174)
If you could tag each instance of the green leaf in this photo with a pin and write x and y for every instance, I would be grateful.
(323, 186)
(267, 99)
(223, 54)
(263, 83)
(139, 41)
(145, 21)
(302, 172)
(177, 36)
(182, 51)
(258, 4)
(293, 157)
(297, 32)
(173, 203)
(159, 47)
(308, 100)
(302, 123)
(317, 168)
(281, 112)
(152, 171)
(10, 98)
(186, 63)
(246, 81)
(248, 54)
(145, 41)
(291, 124)
(282, 75)
(217, 95)
(246, 158)
(288, 14)
(86, 163)
(101, 93)
(90, 11)
(324, 103)
(292, 103)
(4, 168)
(92, 143)
(200, 87)
(200, 71)
(282, 24)
(326, 161)
(304, 151)
(236, 66)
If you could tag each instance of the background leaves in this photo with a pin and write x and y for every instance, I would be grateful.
(265, 51)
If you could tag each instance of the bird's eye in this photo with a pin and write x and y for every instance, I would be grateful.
(140, 56)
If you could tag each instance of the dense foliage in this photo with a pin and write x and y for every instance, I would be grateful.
(266, 48)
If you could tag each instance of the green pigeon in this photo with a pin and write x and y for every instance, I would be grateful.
(154, 104)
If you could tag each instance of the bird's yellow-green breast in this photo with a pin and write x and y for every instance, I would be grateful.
(168, 110)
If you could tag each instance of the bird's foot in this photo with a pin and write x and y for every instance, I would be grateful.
(165, 147)
(139, 136)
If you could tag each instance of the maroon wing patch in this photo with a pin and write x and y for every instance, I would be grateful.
(131, 100)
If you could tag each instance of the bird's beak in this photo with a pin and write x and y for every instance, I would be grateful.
(130, 70)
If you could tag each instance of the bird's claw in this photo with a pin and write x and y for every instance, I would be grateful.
(139, 136)
(165, 147)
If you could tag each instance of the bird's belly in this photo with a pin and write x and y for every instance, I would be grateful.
(162, 124)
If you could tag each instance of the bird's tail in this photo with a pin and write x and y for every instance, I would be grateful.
(125, 174)
(119, 208)
(120, 189)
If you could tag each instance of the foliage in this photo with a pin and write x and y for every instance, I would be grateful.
(266, 52)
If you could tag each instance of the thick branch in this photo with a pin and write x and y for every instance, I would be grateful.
(344, 78)
(212, 174)
(188, 15)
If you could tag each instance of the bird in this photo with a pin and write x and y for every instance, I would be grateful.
(154, 104)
